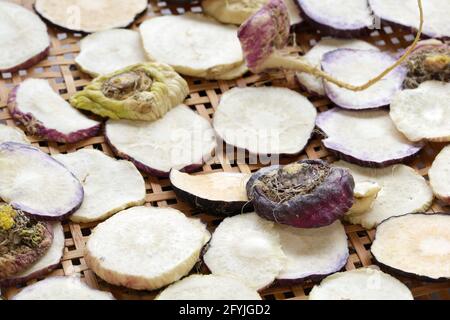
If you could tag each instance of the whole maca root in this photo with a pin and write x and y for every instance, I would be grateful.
(22, 241)
(145, 91)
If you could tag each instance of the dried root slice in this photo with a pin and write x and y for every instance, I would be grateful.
(361, 284)
(439, 174)
(405, 13)
(365, 194)
(12, 134)
(423, 113)
(265, 120)
(46, 114)
(192, 44)
(145, 248)
(403, 191)
(108, 51)
(208, 287)
(109, 185)
(368, 138)
(90, 16)
(357, 67)
(343, 18)
(47, 263)
(219, 193)
(181, 140)
(61, 288)
(37, 184)
(248, 248)
(312, 253)
(314, 56)
(235, 73)
(417, 245)
(23, 38)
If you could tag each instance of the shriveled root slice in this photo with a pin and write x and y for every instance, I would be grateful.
(314, 56)
(403, 191)
(265, 120)
(145, 248)
(405, 13)
(90, 16)
(248, 248)
(357, 67)
(228, 75)
(416, 245)
(423, 113)
(37, 184)
(12, 134)
(368, 138)
(343, 18)
(219, 193)
(439, 174)
(61, 288)
(312, 253)
(45, 264)
(46, 114)
(365, 194)
(192, 44)
(109, 185)
(108, 51)
(208, 287)
(361, 284)
(23, 38)
(181, 140)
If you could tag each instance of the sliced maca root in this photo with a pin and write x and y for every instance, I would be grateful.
(23, 38)
(423, 113)
(145, 248)
(208, 287)
(44, 113)
(416, 245)
(61, 288)
(90, 16)
(265, 120)
(357, 67)
(403, 191)
(365, 194)
(109, 185)
(12, 134)
(439, 174)
(218, 193)
(367, 138)
(181, 140)
(361, 284)
(37, 184)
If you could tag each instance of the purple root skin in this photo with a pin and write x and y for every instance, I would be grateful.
(329, 201)
(11, 282)
(398, 272)
(29, 63)
(36, 127)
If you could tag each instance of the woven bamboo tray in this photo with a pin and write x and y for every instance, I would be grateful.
(59, 68)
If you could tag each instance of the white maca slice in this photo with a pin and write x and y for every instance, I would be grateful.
(248, 248)
(208, 287)
(403, 190)
(312, 252)
(265, 120)
(12, 134)
(439, 174)
(361, 284)
(145, 248)
(423, 113)
(61, 288)
(23, 37)
(235, 73)
(110, 185)
(192, 44)
(314, 57)
(108, 51)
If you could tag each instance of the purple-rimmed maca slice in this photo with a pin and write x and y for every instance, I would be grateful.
(340, 18)
(357, 67)
(368, 138)
(23, 38)
(304, 194)
(37, 184)
(46, 114)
